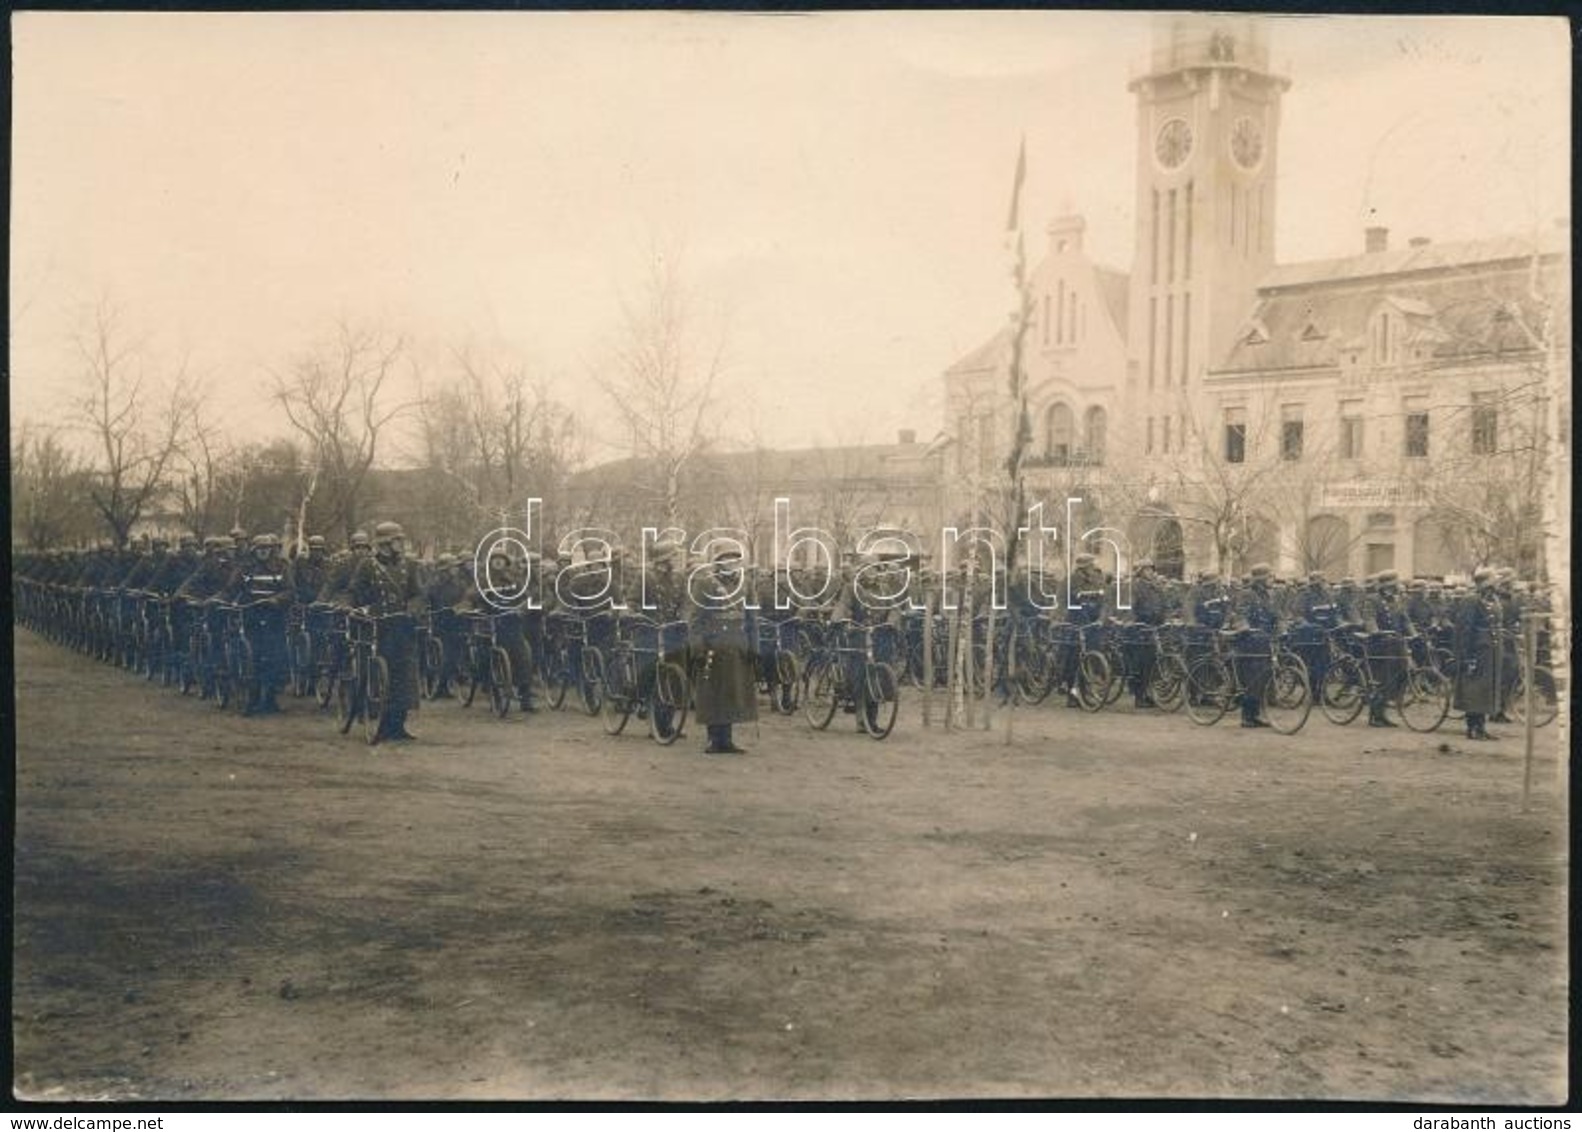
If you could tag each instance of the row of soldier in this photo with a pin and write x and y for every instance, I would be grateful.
(374, 573)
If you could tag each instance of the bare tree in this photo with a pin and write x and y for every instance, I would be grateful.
(47, 490)
(492, 437)
(338, 395)
(135, 422)
(661, 385)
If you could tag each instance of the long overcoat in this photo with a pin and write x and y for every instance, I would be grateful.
(1477, 676)
(723, 643)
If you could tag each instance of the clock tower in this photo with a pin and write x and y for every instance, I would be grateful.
(1208, 117)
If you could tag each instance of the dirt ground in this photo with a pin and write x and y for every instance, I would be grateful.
(1120, 905)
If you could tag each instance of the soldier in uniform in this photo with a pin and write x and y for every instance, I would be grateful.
(1148, 608)
(212, 572)
(261, 585)
(1087, 590)
(309, 570)
(147, 565)
(386, 583)
(1255, 613)
(1210, 602)
(1477, 680)
(341, 568)
(1510, 623)
(724, 637)
(447, 594)
(1382, 613)
(1419, 609)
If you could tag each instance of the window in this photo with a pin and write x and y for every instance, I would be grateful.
(1153, 339)
(1187, 269)
(1166, 422)
(1170, 275)
(1072, 321)
(1416, 435)
(1381, 520)
(1059, 424)
(1148, 448)
(1290, 432)
(986, 459)
(1351, 430)
(1046, 320)
(1060, 314)
(1235, 436)
(1155, 245)
(1170, 333)
(1186, 333)
(1485, 424)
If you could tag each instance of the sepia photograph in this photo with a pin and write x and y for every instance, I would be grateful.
(655, 556)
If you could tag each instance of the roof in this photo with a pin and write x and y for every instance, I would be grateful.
(1467, 300)
(1426, 257)
(1116, 287)
(783, 468)
(989, 356)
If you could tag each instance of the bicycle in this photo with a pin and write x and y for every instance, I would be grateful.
(779, 672)
(845, 675)
(1214, 686)
(488, 665)
(1167, 683)
(363, 687)
(642, 675)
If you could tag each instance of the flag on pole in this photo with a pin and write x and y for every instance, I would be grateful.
(1016, 185)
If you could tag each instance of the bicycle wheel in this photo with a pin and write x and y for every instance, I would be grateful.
(348, 696)
(325, 679)
(590, 683)
(222, 678)
(667, 711)
(881, 699)
(501, 685)
(615, 698)
(1546, 699)
(1344, 692)
(1424, 699)
(431, 663)
(1093, 681)
(557, 679)
(821, 694)
(1287, 698)
(1209, 690)
(376, 700)
(785, 692)
(1117, 681)
(476, 675)
(301, 658)
(1033, 676)
(1167, 686)
(249, 688)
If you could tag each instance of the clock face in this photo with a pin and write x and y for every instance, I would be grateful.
(1174, 143)
(1246, 143)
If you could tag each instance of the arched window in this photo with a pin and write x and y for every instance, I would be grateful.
(1059, 426)
(1097, 426)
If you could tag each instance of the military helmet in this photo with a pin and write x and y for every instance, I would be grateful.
(216, 542)
(238, 534)
(1260, 570)
(266, 540)
(187, 539)
(316, 542)
(387, 530)
(360, 538)
(445, 560)
(159, 542)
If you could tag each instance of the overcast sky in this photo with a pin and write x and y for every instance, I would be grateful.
(836, 183)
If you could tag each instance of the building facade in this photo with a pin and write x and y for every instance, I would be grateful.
(1406, 407)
